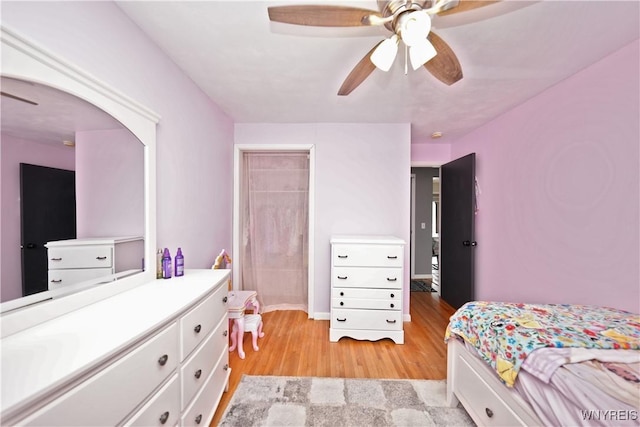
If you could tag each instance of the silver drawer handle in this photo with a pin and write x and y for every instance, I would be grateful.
(56, 259)
(392, 256)
(56, 281)
(391, 321)
(101, 258)
(198, 373)
(198, 418)
(164, 417)
(163, 360)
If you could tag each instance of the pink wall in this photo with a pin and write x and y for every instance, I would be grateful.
(195, 137)
(14, 151)
(109, 184)
(559, 210)
(362, 175)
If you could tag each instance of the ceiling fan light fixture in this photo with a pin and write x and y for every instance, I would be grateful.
(385, 54)
(421, 53)
(414, 27)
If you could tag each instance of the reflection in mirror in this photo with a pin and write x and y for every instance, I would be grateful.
(68, 171)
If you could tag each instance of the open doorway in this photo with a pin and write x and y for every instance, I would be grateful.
(424, 226)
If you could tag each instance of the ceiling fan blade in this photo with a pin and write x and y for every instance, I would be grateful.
(466, 5)
(17, 98)
(323, 16)
(360, 72)
(445, 65)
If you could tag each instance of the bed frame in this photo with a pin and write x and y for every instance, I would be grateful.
(488, 401)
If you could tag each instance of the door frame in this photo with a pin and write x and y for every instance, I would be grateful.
(424, 165)
(238, 150)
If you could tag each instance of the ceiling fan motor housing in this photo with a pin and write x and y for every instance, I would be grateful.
(396, 8)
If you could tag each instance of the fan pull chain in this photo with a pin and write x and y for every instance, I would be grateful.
(406, 55)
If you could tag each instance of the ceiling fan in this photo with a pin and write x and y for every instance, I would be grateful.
(408, 20)
(18, 98)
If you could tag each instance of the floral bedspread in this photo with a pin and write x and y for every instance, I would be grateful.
(505, 333)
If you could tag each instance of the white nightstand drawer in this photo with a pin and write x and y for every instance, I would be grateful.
(80, 257)
(196, 370)
(366, 319)
(362, 277)
(61, 278)
(95, 399)
(367, 255)
(163, 408)
(197, 323)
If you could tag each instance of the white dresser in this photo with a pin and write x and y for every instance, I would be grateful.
(156, 355)
(76, 260)
(367, 288)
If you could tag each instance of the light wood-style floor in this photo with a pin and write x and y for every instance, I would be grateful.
(297, 346)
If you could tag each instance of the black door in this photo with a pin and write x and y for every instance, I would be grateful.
(47, 212)
(457, 198)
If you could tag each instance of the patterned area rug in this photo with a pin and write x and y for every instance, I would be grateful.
(421, 286)
(311, 401)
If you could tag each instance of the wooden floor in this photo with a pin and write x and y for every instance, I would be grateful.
(297, 346)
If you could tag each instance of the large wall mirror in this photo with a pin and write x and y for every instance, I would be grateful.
(56, 117)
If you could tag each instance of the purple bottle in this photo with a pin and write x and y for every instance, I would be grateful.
(166, 264)
(179, 263)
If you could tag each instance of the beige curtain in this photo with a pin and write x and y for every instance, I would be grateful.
(275, 218)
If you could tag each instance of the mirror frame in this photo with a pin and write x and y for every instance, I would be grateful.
(24, 60)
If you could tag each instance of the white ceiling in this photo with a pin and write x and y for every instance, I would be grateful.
(56, 117)
(258, 71)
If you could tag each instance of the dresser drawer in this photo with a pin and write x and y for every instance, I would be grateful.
(372, 304)
(197, 368)
(362, 277)
(201, 320)
(386, 294)
(201, 410)
(80, 257)
(383, 320)
(61, 278)
(163, 408)
(367, 255)
(483, 401)
(132, 377)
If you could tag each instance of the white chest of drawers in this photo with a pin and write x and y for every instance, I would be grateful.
(156, 355)
(76, 260)
(367, 275)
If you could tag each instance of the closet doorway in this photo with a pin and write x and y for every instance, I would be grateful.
(273, 223)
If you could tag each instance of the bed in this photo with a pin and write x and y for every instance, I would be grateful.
(512, 364)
